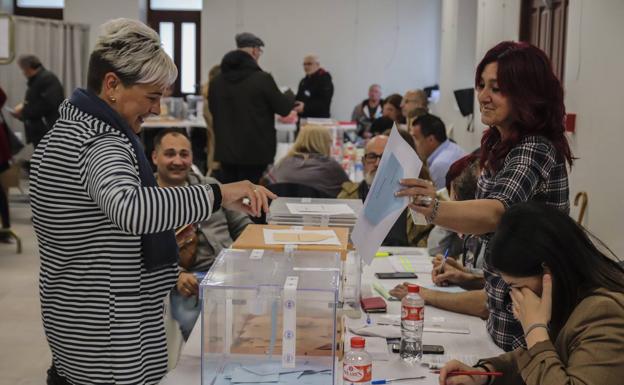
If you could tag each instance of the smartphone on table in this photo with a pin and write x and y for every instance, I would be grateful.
(400, 275)
(427, 349)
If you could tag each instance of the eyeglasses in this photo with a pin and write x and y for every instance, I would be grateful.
(371, 157)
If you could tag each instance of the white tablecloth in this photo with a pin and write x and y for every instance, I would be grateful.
(478, 343)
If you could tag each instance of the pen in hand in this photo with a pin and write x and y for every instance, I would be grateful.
(441, 268)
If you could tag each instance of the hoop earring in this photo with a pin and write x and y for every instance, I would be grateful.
(112, 99)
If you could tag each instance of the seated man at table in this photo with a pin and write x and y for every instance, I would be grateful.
(434, 147)
(200, 243)
(404, 232)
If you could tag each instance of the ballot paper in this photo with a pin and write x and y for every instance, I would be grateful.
(411, 263)
(432, 325)
(300, 237)
(446, 289)
(319, 209)
(382, 208)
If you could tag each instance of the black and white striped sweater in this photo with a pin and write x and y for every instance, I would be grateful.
(102, 310)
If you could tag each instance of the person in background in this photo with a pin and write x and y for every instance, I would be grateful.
(392, 109)
(44, 95)
(173, 158)
(102, 286)
(366, 112)
(434, 147)
(309, 162)
(5, 159)
(523, 158)
(243, 100)
(382, 126)
(315, 90)
(404, 232)
(210, 136)
(414, 104)
(567, 294)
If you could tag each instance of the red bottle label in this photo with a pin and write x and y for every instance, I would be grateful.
(409, 313)
(357, 373)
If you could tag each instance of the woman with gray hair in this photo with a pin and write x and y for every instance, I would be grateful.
(105, 230)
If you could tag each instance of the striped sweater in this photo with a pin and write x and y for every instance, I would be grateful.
(102, 310)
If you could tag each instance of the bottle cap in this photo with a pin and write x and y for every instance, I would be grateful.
(358, 342)
(413, 288)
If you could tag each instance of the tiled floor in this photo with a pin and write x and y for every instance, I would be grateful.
(24, 353)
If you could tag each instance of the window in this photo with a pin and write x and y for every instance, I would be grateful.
(49, 9)
(178, 23)
(544, 24)
(175, 5)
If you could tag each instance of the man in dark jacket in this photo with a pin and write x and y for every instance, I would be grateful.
(315, 90)
(243, 101)
(43, 98)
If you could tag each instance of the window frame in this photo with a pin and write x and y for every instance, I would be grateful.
(46, 13)
(155, 17)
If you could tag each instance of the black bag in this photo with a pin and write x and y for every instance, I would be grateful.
(15, 144)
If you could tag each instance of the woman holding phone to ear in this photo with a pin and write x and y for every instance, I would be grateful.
(523, 158)
(568, 296)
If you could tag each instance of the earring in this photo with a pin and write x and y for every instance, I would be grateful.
(112, 99)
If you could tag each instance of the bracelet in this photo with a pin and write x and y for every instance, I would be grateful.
(535, 326)
(434, 212)
(482, 366)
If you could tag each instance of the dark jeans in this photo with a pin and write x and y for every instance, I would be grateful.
(236, 172)
(4, 209)
(54, 378)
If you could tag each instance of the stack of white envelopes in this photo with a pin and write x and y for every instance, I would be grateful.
(315, 212)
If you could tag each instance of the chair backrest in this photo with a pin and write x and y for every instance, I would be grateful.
(295, 190)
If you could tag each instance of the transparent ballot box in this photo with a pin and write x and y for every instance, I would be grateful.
(270, 316)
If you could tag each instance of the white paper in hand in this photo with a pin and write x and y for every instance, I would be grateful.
(382, 208)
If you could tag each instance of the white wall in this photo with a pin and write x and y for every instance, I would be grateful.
(457, 64)
(360, 42)
(478, 25)
(593, 85)
(6, 6)
(96, 12)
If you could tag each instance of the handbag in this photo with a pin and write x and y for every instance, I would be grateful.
(15, 144)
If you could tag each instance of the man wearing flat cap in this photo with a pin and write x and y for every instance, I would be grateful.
(243, 100)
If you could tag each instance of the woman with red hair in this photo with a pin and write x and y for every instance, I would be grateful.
(523, 158)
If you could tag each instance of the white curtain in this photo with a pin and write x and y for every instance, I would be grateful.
(61, 47)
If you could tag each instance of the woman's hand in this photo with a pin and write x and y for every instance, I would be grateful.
(453, 273)
(455, 365)
(400, 291)
(416, 190)
(187, 284)
(246, 197)
(530, 309)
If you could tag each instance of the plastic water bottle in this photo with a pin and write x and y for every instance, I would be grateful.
(412, 321)
(357, 367)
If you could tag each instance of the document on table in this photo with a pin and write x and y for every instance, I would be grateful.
(382, 208)
(411, 264)
(319, 209)
(300, 237)
(446, 289)
(432, 325)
